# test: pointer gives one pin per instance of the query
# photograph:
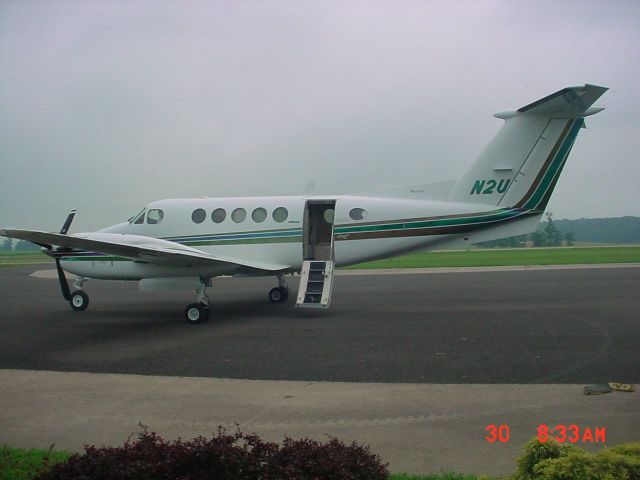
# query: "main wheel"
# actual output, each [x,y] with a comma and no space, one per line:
[196,313]
[79,300]
[278,295]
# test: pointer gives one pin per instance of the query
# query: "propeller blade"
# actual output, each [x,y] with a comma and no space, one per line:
[67,222]
[64,286]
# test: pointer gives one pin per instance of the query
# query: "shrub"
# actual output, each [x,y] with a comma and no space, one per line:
[224,456]
[535,452]
[552,461]
[307,459]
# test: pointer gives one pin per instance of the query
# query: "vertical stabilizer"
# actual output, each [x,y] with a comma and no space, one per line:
[521,165]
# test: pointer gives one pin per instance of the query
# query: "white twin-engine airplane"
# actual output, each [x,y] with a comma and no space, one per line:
[184,243]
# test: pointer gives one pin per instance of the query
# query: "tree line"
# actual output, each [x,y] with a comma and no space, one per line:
[7,245]
[556,233]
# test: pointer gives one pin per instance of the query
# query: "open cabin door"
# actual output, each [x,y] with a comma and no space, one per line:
[316,276]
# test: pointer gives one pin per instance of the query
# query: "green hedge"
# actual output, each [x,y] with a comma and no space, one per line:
[553,461]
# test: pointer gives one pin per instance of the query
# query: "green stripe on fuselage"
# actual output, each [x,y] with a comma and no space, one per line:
[244,241]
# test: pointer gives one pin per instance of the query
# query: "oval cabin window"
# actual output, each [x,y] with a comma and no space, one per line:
[358,213]
[280,214]
[218,215]
[259,215]
[198,215]
[238,215]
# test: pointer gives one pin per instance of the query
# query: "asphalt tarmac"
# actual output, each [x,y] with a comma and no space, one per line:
[572,326]
[417,366]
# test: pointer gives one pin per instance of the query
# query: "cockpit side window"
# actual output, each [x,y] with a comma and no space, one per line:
[154,216]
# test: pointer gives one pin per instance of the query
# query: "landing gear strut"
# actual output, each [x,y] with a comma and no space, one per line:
[199,312]
[279,294]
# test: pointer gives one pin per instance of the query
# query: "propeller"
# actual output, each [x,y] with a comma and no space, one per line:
[64,285]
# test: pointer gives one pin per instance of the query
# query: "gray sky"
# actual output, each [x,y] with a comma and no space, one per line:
[105,106]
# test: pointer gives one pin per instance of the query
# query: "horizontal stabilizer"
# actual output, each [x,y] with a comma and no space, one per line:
[571,101]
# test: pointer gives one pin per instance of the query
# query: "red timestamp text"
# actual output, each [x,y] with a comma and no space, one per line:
[571,434]
[560,433]
[498,433]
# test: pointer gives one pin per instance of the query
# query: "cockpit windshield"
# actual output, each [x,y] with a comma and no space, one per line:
[153,216]
[137,218]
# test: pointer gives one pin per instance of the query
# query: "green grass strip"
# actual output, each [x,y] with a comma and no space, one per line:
[471,258]
[439,476]
[14,259]
[514,257]
[22,464]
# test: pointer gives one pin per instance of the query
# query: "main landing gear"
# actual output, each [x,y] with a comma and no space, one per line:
[199,312]
[78,299]
[279,294]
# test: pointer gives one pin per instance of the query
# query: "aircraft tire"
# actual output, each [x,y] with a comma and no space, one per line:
[278,295]
[196,313]
[79,300]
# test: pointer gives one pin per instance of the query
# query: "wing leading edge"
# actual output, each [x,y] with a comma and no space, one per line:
[139,248]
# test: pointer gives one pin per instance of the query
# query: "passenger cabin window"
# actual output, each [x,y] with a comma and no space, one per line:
[155,216]
[358,213]
[198,215]
[280,214]
[238,215]
[218,215]
[259,215]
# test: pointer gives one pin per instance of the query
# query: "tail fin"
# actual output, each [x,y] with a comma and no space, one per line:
[521,165]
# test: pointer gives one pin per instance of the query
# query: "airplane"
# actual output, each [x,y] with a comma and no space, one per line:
[185,243]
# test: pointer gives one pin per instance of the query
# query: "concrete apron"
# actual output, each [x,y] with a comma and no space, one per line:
[417,428]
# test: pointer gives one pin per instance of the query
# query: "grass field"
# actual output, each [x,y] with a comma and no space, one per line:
[471,258]
[23,464]
[14,259]
[516,256]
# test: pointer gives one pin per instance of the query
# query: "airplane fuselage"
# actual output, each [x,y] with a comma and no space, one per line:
[271,229]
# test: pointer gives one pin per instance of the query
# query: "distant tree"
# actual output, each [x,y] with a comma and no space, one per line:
[539,238]
[509,242]
[24,246]
[554,238]
[569,238]
[6,245]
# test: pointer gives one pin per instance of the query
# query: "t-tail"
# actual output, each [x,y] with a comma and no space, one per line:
[521,165]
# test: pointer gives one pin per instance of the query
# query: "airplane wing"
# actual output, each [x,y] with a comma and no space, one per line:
[137,247]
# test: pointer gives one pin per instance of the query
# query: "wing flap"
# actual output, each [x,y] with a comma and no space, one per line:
[137,247]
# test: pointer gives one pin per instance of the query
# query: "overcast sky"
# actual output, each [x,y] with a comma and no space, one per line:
[105,106]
